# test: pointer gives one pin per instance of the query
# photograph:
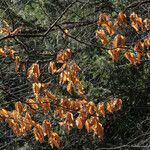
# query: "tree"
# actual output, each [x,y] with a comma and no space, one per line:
[32,57]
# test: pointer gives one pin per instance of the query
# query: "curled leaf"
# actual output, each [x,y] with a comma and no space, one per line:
[18,62]
[16,31]
[101,109]
[101,34]
[130,56]
[136,21]
[36,88]
[119,42]
[147,24]
[19,107]
[122,18]
[79,123]
[114,54]
[2,52]
[52,67]
[38,133]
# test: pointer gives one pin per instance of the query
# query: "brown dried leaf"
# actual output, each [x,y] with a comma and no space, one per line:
[101,109]
[121,18]
[38,133]
[52,67]
[18,62]
[114,54]
[51,95]
[79,123]
[119,42]
[101,34]
[69,87]
[19,107]
[147,23]
[54,140]
[130,57]
[47,128]
[36,70]
[36,88]
[16,31]
[2,52]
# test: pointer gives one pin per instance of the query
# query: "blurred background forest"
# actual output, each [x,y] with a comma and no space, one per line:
[101,77]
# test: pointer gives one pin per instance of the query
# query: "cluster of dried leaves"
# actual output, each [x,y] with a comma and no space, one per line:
[72,113]
[6,29]
[118,45]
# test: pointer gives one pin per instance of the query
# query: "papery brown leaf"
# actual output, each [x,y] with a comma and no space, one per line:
[52,67]
[136,21]
[45,85]
[79,123]
[148,54]
[18,62]
[68,53]
[118,104]
[80,89]
[101,34]
[59,111]
[110,28]
[64,56]
[114,54]
[23,128]
[38,133]
[147,24]
[36,88]
[4,113]
[88,125]
[98,130]
[60,58]
[91,107]
[69,121]
[110,107]
[101,109]
[28,121]
[11,54]
[15,115]
[2,52]
[36,70]
[69,117]
[46,105]
[76,68]
[16,129]
[64,76]
[69,87]
[147,40]
[103,19]
[11,123]
[4,31]
[54,140]
[130,57]
[33,105]
[51,95]
[16,31]
[77,105]
[122,18]
[19,107]
[139,46]
[47,128]
[30,71]
[119,42]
